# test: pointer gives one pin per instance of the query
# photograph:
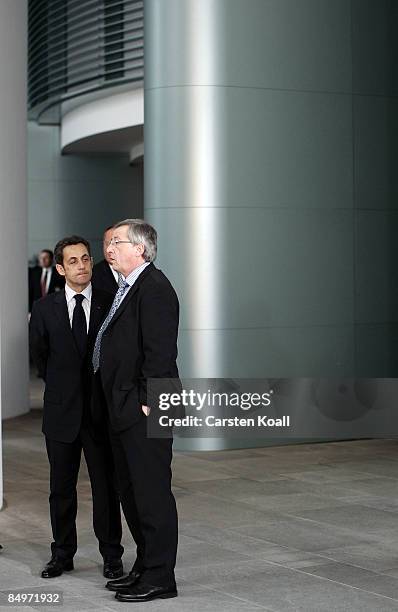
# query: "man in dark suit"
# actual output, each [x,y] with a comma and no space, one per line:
[138,341]
[44,278]
[63,328]
[104,276]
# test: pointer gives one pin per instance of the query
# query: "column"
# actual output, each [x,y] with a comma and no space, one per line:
[13,211]
[262,168]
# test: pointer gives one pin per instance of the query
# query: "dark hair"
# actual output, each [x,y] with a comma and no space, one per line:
[48,251]
[68,241]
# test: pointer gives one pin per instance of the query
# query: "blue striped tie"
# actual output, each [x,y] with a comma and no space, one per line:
[115,305]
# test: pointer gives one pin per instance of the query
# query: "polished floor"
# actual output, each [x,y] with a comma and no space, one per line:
[311,527]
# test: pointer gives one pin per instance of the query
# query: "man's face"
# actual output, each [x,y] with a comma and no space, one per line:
[45,260]
[77,266]
[125,256]
[105,244]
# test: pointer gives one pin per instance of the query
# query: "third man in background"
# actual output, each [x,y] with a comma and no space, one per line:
[105,277]
[44,278]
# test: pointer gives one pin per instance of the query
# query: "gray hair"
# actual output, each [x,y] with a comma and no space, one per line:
[140,232]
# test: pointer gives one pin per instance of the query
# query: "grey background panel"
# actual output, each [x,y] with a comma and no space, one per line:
[375,266]
[41,210]
[76,194]
[376,350]
[274,266]
[74,212]
[282,44]
[376,152]
[375,46]
[269,352]
[262,148]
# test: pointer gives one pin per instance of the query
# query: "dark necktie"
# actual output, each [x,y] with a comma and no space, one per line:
[79,325]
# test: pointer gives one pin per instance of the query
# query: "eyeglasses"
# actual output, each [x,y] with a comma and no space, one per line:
[116,242]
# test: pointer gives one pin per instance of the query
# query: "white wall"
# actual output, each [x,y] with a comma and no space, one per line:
[13,214]
[70,194]
[116,111]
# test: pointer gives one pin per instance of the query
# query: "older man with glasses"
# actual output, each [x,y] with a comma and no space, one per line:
[136,342]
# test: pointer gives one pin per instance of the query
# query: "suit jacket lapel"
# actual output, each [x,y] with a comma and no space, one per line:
[108,273]
[131,292]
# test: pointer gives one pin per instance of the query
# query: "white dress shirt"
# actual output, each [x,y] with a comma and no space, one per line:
[71,302]
[132,277]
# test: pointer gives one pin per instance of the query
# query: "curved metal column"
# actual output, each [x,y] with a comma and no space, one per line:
[249,178]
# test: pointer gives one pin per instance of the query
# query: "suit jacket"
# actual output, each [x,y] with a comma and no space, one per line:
[139,343]
[103,278]
[66,373]
[57,283]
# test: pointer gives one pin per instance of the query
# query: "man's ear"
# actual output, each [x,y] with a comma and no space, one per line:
[139,249]
[60,269]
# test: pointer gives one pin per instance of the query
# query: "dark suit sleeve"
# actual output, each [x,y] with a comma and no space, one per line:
[38,340]
[159,327]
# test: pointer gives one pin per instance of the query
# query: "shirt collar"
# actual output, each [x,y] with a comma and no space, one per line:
[70,293]
[132,277]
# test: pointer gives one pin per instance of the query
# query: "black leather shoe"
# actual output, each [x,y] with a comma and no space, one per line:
[113,568]
[56,566]
[142,591]
[124,583]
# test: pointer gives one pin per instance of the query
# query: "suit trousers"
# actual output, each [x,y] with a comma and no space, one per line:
[64,458]
[143,475]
